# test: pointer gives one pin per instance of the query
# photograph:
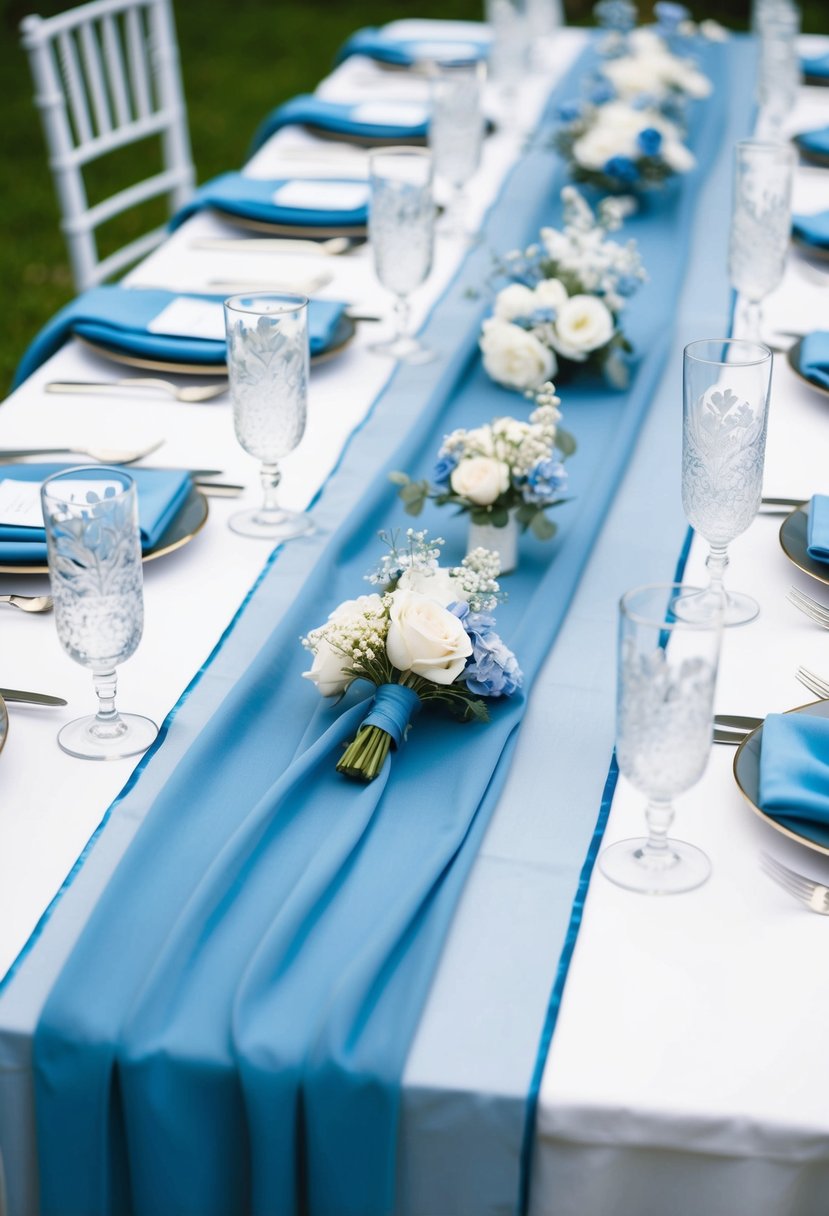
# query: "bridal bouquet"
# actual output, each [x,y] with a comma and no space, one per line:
[621,147]
[563,306]
[506,466]
[427,636]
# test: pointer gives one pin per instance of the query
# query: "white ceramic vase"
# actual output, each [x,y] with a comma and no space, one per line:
[503,541]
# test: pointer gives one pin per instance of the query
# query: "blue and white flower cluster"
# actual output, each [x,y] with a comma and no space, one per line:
[506,466]
[564,303]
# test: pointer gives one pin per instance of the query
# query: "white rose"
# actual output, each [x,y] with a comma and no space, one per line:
[327,669]
[514,357]
[584,324]
[425,638]
[480,479]
[677,156]
[713,31]
[437,583]
[630,75]
[514,301]
[595,149]
[689,80]
[645,41]
[550,293]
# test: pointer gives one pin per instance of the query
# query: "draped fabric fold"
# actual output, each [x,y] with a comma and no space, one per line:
[229,1033]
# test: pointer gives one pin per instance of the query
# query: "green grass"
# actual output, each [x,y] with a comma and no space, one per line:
[239,58]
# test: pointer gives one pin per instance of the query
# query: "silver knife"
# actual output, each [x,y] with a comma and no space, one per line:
[738,721]
[30,698]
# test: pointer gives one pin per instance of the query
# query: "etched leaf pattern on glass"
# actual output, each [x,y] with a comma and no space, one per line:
[268,366]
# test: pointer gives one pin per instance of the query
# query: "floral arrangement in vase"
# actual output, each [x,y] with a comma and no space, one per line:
[425,638]
[505,475]
[562,309]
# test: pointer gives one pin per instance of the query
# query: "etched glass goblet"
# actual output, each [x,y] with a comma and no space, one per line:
[761,218]
[267,364]
[667,671]
[94,548]
[725,395]
[456,132]
[778,75]
[401,230]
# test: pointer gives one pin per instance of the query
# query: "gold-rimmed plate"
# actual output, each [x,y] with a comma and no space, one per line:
[343,334]
[188,522]
[292,230]
[794,543]
[793,360]
[4,724]
[365,141]
[747,775]
[818,252]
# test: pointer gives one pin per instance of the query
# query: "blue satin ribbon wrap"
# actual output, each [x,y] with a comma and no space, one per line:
[394,707]
[341,118]
[229,1033]
[118,318]
[794,773]
[252,198]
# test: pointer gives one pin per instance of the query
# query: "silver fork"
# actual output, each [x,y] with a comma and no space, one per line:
[815,895]
[814,683]
[813,608]
[189,392]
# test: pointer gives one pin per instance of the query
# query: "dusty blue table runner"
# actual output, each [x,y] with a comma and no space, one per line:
[606,425]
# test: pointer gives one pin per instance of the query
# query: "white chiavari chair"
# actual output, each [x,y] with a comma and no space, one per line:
[107,76]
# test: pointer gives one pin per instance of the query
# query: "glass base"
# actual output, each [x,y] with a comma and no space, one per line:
[271,525]
[404,349]
[79,739]
[681,868]
[703,605]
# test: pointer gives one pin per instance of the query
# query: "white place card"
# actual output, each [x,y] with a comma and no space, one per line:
[322,196]
[20,500]
[390,113]
[185,317]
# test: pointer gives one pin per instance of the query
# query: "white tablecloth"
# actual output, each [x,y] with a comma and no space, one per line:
[685,1069]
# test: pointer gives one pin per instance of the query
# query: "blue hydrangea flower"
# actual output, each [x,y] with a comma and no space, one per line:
[670,15]
[444,467]
[545,482]
[627,285]
[602,92]
[622,168]
[492,670]
[650,141]
[570,111]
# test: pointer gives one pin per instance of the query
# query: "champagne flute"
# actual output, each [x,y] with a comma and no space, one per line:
[456,132]
[267,365]
[667,670]
[94,550]
[725,393]
[401,231]
[761,217]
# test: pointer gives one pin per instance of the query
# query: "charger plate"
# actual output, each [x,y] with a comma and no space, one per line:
[343,334]
[365,141]
[794,542]
[793,359]
[818,252]
[189,521]
[747,775]
[4,724]
[293,230]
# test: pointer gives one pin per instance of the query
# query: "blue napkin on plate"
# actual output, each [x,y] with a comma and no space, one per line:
[161,495]
[813,357]
[816,67]
[817,528]
[794,773]
[117,317]
[812,229]
[343,118]
[816,141]
[252,199]
[387,47]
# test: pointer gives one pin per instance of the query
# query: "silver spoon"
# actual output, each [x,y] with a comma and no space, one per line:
[187,392]
[104,455]
[29,603]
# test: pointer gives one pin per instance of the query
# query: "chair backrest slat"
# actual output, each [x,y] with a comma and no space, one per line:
[91,53]
[116,75]
[107,75]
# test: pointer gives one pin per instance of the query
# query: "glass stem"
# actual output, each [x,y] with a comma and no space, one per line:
[754,318]
[402,313]
[659,816]
[716,562]
[108,723]
[271,478]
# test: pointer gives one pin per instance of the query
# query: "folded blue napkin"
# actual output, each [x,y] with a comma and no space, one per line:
[387,47]
[161,495]
[252,199]
[813,357]
[344,118]
[817,529]
[817,68]
[118,317]
[794,773]
[813,229]
[816,142]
